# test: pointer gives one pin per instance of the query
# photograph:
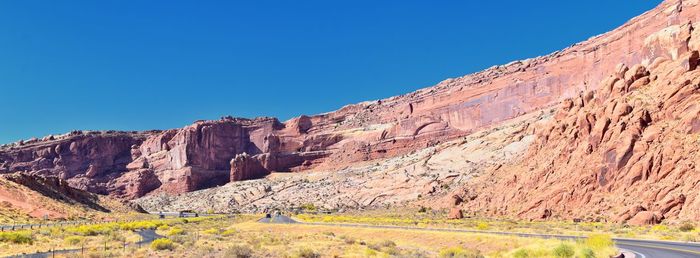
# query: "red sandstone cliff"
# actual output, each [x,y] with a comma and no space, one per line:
[210,153]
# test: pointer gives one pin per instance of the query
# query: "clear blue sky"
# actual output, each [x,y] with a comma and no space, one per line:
[137,65]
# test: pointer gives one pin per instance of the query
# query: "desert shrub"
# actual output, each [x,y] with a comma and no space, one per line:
[175,232]
[387,243]
[348,240]
[307,253]
[521,253]
[73,240]
[228,232]
[181,239]
[239,251]
[211,231]
[599,241]
[374,246]
[458,252]
[163,227]
[659,228]
[686,226]
[162,244]
[422,209]
[18,237]
[308,207]
[563,251]
[93,230]
[482,226]
[370,252]
[587,253]
[391,250]
[145,224]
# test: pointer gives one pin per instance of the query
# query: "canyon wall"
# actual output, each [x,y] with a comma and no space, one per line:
[209,153]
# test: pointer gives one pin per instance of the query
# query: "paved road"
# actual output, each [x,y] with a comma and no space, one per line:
[278,218]
[640,248]
[147,236]
[653,249]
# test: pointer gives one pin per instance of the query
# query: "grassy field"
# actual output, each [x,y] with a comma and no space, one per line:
[684,231]
[243,237]
[103,239]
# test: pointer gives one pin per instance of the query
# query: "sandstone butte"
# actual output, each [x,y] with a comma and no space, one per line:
[623,145]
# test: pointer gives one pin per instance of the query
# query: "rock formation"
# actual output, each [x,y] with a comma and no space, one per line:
[626,152]
[627,124]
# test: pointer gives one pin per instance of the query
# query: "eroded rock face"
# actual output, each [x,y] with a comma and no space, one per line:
[416,178]
[245,167]
[86,160]
[626,154]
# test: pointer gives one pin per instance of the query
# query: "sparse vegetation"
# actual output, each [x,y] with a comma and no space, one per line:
[437,218]
[307,253]
[239,251]
[242,237]
[162,244]
[459,252]
[19,237]
[686,226]
[599,241]
[563,250]
[308,207]
[73,240]
[175,232]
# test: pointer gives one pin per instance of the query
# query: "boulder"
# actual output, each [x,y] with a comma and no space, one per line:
[455,213]
[646,218]
[245,167]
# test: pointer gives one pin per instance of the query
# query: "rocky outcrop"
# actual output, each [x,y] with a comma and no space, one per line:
[86,160]
[417,178]
[626,152]
[56,189]
[245,167]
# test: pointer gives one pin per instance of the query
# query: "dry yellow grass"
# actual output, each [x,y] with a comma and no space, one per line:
[245,236]
[437,219]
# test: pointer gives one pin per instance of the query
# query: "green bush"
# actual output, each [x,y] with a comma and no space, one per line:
[458,252]
[239,251]
[563,251]
[18,237]
[162,244]
[587,253]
